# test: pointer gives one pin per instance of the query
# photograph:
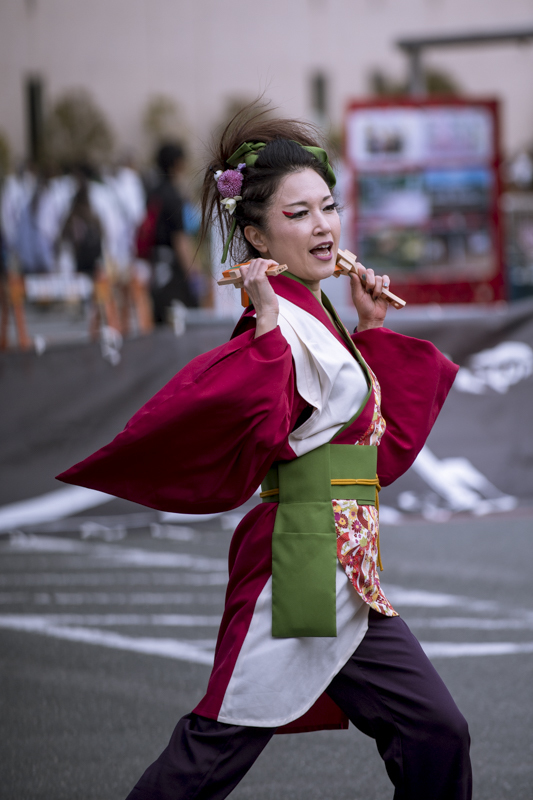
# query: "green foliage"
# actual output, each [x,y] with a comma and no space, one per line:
[160,118]
[76,130]
[5,154]
[437,82]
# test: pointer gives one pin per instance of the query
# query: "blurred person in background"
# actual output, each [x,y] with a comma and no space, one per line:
[171,251]
[32,245]
[82,230]
[4,303]
[34,204]
[82,233]
[17,192]
[127,190]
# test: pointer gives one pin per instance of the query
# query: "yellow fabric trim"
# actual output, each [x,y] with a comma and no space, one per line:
[269,493]
[348,482]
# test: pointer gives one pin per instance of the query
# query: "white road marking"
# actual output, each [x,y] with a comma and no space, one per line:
[79,579]
[169,648]
[114,555]
[197,571]
[462,649]
[179,533]
[388,515]
[171,516]
[109,598]
[195,652]
[473,623]
[419,598]
[137,519]
[460,485]
[33,622]
[50,506]
[69,500]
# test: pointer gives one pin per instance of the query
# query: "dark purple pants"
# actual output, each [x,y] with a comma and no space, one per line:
[389,690]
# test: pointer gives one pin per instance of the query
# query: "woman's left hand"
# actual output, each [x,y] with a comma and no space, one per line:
[366,289]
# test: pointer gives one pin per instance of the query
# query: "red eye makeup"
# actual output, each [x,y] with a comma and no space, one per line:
[287,214]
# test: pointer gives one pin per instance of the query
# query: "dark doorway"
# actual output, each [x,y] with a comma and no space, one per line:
[319,90]
[34,118]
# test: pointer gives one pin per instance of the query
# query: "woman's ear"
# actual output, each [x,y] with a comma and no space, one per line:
[257,239]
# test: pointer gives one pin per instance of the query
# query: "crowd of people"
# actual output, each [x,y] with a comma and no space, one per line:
[112,224]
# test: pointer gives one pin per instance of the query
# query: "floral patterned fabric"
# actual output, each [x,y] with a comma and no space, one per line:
[357,528]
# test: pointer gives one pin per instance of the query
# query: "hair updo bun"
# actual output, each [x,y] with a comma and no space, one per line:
[284,153]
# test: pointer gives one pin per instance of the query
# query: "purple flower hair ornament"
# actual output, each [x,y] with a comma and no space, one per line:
[229,184]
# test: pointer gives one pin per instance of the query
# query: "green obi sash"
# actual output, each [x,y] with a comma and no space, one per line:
[304,544]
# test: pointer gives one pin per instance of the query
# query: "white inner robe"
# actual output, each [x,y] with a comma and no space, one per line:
[275,681]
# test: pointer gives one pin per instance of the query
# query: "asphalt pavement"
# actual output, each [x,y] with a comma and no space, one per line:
[108,622]
[109,611]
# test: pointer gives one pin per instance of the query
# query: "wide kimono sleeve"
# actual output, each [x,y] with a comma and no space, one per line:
[415,378]
[206,440]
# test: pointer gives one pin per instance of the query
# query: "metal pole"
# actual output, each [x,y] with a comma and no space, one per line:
[417,83]
[412,47]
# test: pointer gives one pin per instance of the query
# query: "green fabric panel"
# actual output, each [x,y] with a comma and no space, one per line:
[305,605]
[304,544]
[306,478]
[304,550]
[363,495]
[305,518]
[353,461]
[271,481]
[346,459]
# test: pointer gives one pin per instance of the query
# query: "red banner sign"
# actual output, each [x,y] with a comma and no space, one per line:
[424,193]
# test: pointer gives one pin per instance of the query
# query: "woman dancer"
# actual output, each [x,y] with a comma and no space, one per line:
[308,639]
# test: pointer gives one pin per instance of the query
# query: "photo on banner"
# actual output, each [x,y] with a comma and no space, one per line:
[424,196]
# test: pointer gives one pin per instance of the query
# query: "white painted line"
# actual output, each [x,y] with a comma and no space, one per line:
[35,622]
[169,648]
[114,555]
[171,516]
[70,500]
[472,623]
[178,533]
[389,515]
[462,649]
[51,506]
[419,598]
[138,519]
[192,651]
[110,598]
[115,579]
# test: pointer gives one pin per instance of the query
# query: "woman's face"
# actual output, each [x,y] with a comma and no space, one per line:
[303,227]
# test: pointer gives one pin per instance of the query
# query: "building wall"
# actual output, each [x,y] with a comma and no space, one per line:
[203,53]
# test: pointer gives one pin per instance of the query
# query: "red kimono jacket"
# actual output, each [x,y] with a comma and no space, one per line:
[205,442]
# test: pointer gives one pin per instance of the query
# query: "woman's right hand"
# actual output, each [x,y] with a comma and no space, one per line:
[258,288]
